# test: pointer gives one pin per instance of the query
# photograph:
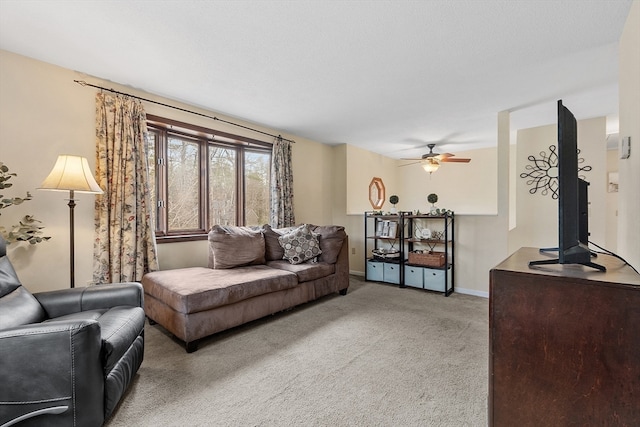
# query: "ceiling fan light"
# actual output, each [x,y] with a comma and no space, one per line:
[430,166]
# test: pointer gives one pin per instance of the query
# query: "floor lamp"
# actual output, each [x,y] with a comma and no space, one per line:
[72,174]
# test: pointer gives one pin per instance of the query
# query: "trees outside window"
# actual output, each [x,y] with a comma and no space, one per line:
[223,185]
[202,177]
[183,184]
[257,171]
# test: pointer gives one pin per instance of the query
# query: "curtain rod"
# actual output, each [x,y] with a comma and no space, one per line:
[83,83]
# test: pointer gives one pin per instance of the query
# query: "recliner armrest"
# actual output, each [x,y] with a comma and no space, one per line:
[67,301]
[44,366]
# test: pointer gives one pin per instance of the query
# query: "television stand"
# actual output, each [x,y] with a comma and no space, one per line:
[563,344]
[557,260]
[545,250]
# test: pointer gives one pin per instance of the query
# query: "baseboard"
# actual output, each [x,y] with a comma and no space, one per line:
[473,292]
[465,291]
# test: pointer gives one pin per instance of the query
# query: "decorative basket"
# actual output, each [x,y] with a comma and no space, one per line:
[428,259]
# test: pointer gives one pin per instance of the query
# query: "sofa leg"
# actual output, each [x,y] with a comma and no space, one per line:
[343,291]
[191,346]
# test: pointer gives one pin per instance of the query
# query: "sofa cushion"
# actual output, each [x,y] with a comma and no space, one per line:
[273,248]
[17,305]
[331,240]
[190,290]
[80,315]
[306,272]
[300,245]
[232,246]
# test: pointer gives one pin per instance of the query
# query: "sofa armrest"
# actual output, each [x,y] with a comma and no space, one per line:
[342,264]
[45,367]
[67,301]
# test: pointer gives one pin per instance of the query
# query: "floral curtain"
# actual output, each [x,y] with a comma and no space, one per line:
[124,247]
[281,185]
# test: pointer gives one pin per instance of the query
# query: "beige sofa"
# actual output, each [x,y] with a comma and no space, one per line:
[248,278]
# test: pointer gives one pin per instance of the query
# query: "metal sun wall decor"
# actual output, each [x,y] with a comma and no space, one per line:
[543,174]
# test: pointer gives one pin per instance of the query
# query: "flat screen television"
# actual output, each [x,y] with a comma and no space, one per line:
[573,203]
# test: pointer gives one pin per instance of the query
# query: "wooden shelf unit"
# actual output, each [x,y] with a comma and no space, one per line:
[398,270]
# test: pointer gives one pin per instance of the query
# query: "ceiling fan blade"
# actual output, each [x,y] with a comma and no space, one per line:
[412,163]
[445,155]
[410,159]
[455,160]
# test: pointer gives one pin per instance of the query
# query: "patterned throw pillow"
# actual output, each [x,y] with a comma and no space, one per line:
[300,245]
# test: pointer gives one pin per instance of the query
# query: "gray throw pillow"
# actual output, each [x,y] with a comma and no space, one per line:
[331,238]
[232,246]
[273,249]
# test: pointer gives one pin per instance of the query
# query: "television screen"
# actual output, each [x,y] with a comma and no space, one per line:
[573,226]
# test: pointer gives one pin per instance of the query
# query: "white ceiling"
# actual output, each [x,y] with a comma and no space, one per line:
[387,76]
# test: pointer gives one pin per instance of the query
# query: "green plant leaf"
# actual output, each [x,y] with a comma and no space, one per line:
[28,229]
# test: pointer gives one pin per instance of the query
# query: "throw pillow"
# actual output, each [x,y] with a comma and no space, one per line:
[273,249]
[300,245]
[331,238]
[231,246]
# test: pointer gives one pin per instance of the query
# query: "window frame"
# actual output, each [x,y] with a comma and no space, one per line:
[206,137]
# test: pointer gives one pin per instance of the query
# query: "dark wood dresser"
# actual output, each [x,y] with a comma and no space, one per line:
[564,344]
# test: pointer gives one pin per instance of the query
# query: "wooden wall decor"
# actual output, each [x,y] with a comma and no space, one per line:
[376,193]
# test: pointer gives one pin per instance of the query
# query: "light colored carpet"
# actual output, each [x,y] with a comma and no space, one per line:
[379,356]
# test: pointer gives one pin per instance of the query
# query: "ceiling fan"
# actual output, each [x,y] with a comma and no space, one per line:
[431,161]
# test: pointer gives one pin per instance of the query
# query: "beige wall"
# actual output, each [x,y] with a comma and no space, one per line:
[482,240]
[611,238]
[536,214]
[362,166]
[465,188]
[43,113]
[629,169]
[471,191]
[359,167]
[468,189]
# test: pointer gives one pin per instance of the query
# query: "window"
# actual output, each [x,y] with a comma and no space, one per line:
[201,177]
[257,168]
[222,185]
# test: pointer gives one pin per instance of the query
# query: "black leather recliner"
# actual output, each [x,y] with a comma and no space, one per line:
[68,356]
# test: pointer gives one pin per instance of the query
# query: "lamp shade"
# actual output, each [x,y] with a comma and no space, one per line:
[71,173]
[430,165]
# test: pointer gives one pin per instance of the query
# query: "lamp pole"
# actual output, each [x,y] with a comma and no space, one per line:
[72,204]
[71,173]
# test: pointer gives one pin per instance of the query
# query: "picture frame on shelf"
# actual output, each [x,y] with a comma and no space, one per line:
[387,229]
[393,230]
[425,233]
